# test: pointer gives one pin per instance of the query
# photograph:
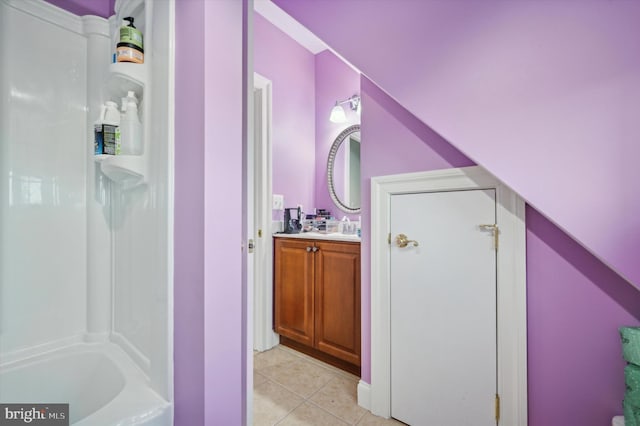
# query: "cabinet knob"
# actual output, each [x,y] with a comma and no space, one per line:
[315,249]
[308,249]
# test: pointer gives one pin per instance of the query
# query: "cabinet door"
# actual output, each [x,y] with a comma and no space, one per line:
[337,304]
[293,291]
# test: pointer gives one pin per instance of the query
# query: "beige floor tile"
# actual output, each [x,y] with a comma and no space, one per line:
[271,403]
[339,397]
[333,369]
[299,376]
[309,415]
[258,379]
[371,420]
[272,357]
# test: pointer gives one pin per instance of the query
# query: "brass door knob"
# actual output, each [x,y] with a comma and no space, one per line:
[402,241]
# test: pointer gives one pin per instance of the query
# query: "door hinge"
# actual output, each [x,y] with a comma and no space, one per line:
[389,238]
[251,245]
[497,408]
[259,233]
[496,233]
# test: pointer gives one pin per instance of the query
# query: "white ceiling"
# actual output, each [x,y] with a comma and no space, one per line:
[289,26]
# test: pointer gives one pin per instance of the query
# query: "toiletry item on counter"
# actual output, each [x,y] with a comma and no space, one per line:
[292,225]
[320,219]
[322,213]
[130,127]
[111,130]
[348,227]
[130,48]
[332,226]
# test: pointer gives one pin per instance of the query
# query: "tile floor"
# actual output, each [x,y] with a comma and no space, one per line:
[290,388]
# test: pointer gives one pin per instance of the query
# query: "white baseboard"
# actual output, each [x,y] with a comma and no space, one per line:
[364,395]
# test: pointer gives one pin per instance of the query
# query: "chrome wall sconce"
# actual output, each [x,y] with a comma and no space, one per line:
[337,112]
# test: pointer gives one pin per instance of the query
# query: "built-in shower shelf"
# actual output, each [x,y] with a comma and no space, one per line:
[128,170]
[125,76]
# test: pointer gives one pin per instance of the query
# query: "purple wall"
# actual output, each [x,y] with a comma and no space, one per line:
[210,333]
[224,330]
[335,81]
[102,8]
[393,141]
[575,303]
[526,89]
[290,67]
[189,255]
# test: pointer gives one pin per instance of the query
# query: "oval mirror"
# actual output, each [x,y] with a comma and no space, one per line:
[343,170]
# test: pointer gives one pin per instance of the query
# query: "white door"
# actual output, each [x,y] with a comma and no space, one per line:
[443,308]
[264,336]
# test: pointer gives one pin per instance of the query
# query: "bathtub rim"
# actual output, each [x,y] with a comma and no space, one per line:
[137,385]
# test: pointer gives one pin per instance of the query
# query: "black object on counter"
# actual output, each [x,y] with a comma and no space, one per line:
[292,225]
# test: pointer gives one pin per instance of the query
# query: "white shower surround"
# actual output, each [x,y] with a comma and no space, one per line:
[83,262]
[120,394]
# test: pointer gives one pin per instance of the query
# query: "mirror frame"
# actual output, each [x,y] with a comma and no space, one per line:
[330,164]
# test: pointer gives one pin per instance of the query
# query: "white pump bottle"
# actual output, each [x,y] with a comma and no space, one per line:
[131,128]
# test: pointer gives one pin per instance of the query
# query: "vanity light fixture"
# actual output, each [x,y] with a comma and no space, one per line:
[337,112]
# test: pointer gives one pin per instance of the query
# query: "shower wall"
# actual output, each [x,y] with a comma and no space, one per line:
[43,206]
[141,222]
[83,258]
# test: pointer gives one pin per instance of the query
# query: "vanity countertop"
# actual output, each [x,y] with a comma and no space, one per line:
[336,236]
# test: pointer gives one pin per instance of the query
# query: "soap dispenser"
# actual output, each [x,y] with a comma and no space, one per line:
[130,48]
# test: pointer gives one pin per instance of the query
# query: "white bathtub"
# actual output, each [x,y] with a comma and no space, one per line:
[99,381]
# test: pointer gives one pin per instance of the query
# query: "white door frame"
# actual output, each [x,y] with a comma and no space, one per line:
[264,337]
[511,286]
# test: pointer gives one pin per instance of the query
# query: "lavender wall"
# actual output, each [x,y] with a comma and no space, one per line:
[209,329]
[102,8]
[575,305]
[575,302]
[224,329]
[394,142]
[290,67]
[526,89]
[335,81]
[189,216]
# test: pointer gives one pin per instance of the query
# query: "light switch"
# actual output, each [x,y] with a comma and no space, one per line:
[278,202]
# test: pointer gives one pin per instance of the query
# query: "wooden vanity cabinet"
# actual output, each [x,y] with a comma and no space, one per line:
[293,293]
[317,299]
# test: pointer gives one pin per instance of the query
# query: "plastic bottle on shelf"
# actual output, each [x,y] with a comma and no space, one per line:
[131,128]
[131,96]
[111,129]
[98,134]
[130,48]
